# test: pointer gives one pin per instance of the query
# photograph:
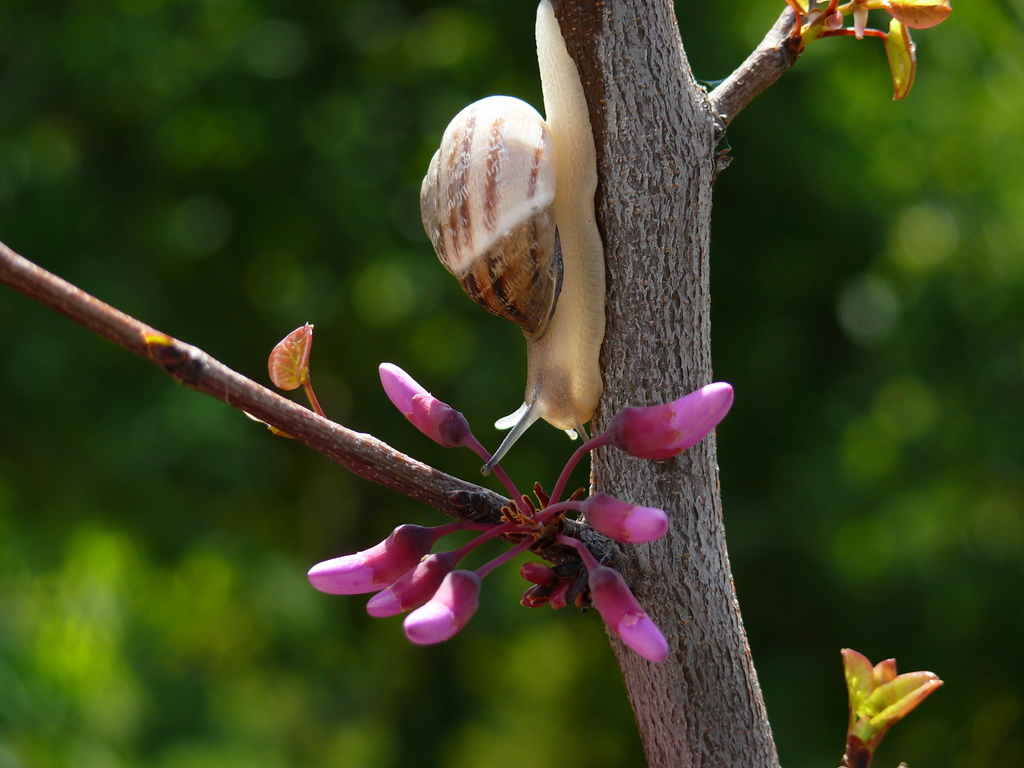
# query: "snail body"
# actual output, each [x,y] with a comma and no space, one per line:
[508,203]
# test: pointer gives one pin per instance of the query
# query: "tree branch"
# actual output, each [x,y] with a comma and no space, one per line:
[777,52]
[360,453]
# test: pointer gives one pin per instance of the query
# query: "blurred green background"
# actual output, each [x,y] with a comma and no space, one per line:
[226,170]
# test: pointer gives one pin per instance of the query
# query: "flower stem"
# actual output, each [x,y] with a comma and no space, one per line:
[483,538]
[588,559]
[517,498]
[570,465]
[504,557]
[551,510]
[440,531]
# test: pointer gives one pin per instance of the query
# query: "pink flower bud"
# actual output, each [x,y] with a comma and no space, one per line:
[662,431]
[624,615]
[447,611]
[624,522]
[559,595]
[535,596]
[538,573]
[374,568]
[414,588]
[860,20]
[438,421]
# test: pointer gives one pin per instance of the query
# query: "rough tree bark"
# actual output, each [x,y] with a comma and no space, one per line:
[656,133]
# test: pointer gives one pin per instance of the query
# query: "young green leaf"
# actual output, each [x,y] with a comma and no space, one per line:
[895,699]
[879,698]
[859,680]
[902,58]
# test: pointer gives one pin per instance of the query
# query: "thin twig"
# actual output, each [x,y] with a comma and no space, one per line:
[363,454]
[777,52]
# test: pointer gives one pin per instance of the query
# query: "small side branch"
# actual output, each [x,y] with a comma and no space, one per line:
[363,454]
[776,53]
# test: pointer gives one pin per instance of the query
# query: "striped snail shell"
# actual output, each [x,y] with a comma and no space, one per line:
[488,207]
[520,247]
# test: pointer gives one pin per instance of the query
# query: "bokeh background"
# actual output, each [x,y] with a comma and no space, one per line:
[227,170]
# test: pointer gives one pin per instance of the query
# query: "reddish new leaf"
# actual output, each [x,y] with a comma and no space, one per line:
[289,360]
[918,14]
[902,58]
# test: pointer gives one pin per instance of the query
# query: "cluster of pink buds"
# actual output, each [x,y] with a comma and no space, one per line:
[441,598]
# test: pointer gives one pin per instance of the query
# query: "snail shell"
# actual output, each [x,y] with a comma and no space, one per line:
[521,246]
[488,207]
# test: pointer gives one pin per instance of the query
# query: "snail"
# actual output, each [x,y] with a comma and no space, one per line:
[508,203]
